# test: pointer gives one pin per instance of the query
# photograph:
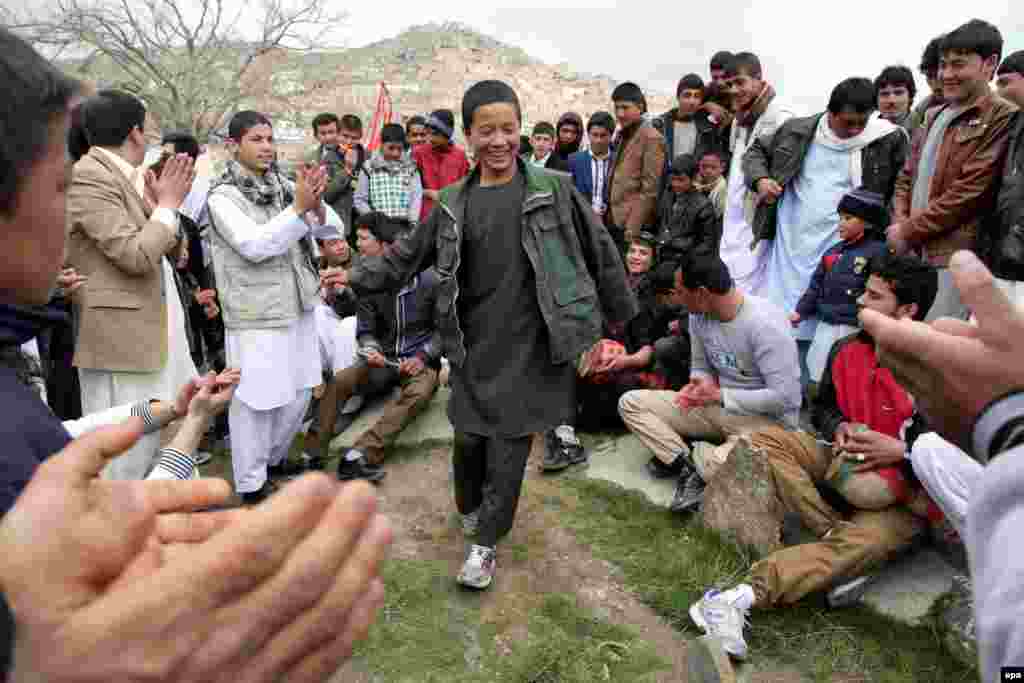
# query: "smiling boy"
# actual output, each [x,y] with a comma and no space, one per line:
[526,272]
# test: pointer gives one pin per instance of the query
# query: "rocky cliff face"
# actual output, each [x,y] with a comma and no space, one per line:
[425,68]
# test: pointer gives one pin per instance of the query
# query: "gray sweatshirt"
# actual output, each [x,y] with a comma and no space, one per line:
[995,518]
[754,358]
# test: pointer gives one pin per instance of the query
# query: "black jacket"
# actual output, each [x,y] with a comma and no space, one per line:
[687,224]
[781,157]
[1001,244]
[402,324]
[710,138]
[839,280]
[29,432]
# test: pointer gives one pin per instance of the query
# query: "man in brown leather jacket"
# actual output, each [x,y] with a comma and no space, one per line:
[637,167]
[949,183]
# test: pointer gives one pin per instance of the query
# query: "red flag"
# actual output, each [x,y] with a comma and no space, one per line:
[381,117]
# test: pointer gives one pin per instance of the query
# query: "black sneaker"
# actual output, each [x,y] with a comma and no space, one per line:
[680,468]
[350,470]
[689,493]
[313,463]
[286,468]
[258,496]
[559,454]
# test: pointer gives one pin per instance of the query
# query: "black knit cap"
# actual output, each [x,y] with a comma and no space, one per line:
[867,205]
[392,132]
[629,92]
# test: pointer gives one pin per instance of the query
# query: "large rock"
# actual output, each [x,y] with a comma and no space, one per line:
[741,502]
[956,622]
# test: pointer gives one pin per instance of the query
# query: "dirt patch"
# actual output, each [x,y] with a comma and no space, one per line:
[537,558]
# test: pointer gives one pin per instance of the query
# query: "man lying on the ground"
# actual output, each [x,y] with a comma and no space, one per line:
[860,413]
[398,340]
[743,376]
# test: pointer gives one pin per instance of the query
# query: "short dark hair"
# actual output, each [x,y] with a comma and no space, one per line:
[183,141]
[630,92]
[34,95]
[714,92]
[543,128]
[351,122]
[110,116]
[896,75]
[743,62]
[416,120]
[601,119]
[382,228]
[857,94]
[392,133]
[1013,64]
[929,65]
[325,119]
[913,281]
[683,165]
[689,82]
[245,120]
[77,140]
[709,272]
[975,37]
[720,59]
[486,93]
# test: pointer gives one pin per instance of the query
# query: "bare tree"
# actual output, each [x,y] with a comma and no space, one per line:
[192,61]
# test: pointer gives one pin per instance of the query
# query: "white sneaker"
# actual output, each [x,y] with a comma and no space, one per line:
[718,617]
[478,570]
[471,523]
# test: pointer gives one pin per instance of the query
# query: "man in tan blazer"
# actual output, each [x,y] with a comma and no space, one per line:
[131,343]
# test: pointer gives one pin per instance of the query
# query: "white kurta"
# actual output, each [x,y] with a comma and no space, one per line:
[280,366]
[338,346]
[105,389]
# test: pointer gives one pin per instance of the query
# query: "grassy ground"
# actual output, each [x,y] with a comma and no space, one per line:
[431,630]
[669,564]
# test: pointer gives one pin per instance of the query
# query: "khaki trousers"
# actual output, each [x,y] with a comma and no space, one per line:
[661,425]
[848,548]
[416,393]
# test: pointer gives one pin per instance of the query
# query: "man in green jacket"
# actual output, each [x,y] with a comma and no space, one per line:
[527,275]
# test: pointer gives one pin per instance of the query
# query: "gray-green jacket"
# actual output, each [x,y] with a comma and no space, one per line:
[580,277]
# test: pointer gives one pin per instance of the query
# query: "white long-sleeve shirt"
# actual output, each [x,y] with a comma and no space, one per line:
[276,363]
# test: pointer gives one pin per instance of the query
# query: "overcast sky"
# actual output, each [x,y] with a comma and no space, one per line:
[806,47]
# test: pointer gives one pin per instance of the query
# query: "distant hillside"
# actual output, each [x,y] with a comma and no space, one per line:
[428,67]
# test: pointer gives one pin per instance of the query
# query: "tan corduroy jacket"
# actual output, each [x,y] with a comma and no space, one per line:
[112,239]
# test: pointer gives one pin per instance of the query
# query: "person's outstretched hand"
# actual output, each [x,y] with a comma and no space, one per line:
[116,580]
[953,368]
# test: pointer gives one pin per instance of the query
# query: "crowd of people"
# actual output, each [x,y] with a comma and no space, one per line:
[837,294]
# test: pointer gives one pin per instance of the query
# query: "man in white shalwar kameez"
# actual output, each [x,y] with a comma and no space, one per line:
[758,115]
[815,161]
[261,235]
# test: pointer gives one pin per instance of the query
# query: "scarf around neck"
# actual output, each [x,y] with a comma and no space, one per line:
[875,129]
[748,117]
[268,189]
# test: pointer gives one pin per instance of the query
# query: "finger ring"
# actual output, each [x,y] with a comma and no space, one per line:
[860,457]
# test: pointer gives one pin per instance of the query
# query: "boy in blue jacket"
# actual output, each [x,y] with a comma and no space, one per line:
[841,276]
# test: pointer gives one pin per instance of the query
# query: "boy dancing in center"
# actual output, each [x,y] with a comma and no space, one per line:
[526,271]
